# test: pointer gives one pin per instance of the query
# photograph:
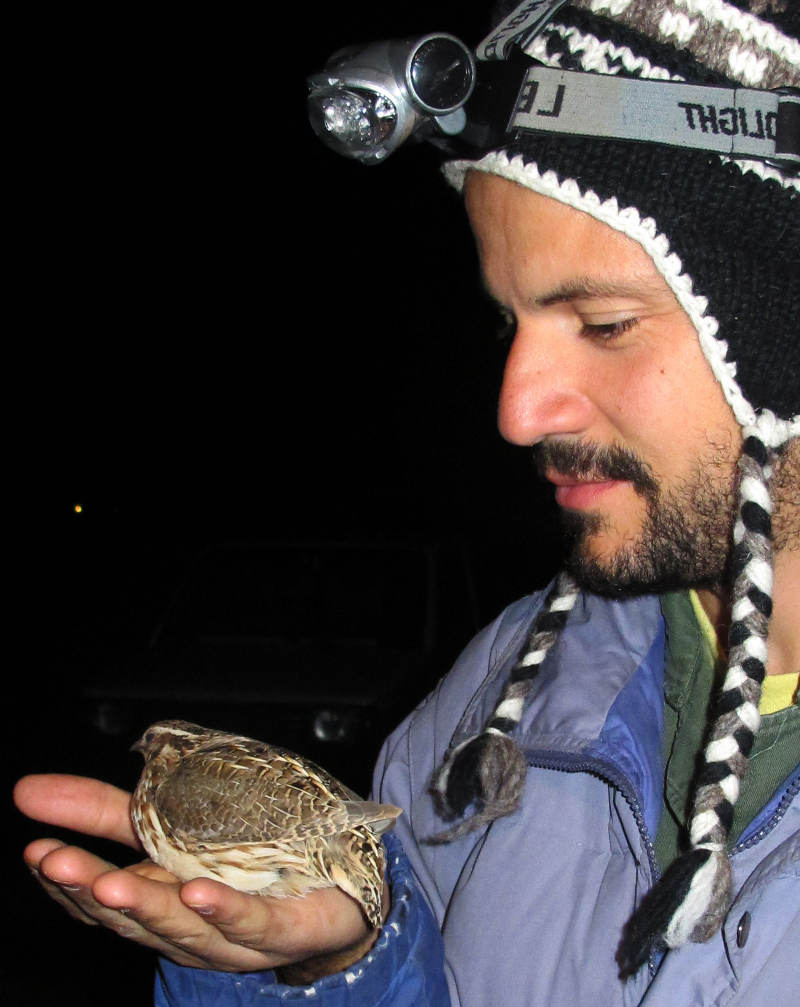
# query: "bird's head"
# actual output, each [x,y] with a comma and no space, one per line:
[169,739]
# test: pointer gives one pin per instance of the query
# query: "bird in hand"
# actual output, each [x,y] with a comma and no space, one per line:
[256,817]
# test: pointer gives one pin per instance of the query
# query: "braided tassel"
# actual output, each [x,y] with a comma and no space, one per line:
[488,771]
[690,901]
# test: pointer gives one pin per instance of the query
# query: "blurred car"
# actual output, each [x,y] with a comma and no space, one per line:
[320,647]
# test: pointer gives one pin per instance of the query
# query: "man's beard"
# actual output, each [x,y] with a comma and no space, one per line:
[686,536]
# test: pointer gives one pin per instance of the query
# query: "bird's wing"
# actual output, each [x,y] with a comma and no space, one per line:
[233,797]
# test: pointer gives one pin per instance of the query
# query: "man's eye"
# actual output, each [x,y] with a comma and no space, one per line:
[608,331]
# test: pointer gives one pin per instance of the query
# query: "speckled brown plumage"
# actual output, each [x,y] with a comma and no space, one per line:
[256,817]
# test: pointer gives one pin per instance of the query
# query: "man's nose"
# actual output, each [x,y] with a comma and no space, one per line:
[543,391]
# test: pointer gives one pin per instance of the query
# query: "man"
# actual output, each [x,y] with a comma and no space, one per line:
[653,294]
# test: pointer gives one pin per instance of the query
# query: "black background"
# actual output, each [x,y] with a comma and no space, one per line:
[224,332]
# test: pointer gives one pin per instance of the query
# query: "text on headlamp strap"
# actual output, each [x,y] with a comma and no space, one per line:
[518,28]
[740,122]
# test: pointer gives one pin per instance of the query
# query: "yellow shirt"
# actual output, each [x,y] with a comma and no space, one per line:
[693,667]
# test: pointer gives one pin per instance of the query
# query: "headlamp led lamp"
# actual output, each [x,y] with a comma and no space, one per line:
[369,101]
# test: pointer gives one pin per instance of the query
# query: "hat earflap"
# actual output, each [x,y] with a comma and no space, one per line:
[690,901]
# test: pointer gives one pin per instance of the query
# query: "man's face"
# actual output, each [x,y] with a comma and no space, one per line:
[606,377]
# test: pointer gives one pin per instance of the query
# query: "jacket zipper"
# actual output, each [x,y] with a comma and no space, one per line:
[623,786]
[621,783]
[617,780]
[792,790]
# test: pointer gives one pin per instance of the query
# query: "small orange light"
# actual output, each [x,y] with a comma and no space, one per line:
[78,508]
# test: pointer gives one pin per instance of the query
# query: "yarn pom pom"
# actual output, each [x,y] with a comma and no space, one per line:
[687,904]
[486,773]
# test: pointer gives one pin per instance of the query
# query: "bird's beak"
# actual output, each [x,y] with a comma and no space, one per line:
[137,746]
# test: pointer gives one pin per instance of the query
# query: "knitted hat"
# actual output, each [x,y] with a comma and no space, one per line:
[724,232]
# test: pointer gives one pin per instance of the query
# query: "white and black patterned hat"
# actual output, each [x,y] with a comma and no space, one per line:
[724,232]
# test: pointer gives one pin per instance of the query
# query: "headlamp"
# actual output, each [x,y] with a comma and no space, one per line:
[368,101]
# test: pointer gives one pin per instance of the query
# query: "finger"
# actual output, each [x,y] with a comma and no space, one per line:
[36,851]
[96,892]
[71,866]
[174,929]
[34,854]
[283,929]
[140,903]
[69,875]
[79,803]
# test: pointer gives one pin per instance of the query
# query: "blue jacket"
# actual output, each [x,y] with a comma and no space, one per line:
[532,908]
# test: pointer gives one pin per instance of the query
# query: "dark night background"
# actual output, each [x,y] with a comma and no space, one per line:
[236,344]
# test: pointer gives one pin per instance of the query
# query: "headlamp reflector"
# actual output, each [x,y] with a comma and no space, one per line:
[352,121]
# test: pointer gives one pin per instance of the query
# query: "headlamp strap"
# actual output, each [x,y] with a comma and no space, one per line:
[738,121]
[518,28]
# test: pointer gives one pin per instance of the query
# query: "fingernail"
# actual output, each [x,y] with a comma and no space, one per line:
[203,910]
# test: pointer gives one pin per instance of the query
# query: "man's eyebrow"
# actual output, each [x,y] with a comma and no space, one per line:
[589,287]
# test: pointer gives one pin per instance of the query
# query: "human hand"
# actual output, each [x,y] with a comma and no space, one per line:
[202,923]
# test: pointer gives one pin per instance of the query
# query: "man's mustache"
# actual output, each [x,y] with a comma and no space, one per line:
[591,461]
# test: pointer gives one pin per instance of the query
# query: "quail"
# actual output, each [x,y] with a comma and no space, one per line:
[257,817]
